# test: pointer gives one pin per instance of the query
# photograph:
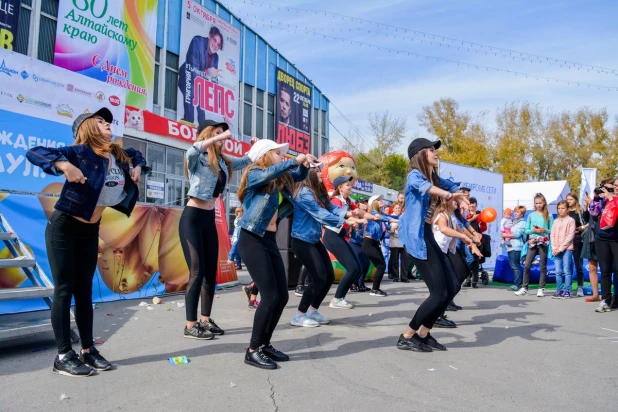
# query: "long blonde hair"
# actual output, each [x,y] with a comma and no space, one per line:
[283,181]
[375,206]
[214,153]
[90,135]
[442,207]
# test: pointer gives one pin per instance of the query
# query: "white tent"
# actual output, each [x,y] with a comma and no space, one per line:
[523,194]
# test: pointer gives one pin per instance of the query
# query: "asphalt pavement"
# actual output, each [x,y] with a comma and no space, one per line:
[508,353]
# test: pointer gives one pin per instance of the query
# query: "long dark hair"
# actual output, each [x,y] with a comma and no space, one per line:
[419,162]
[285,181]
[312,182]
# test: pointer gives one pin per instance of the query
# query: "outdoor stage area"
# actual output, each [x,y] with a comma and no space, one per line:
[508,353]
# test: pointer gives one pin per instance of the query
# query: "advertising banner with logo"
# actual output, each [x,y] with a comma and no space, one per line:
[208,78]
[9,19]
[139,257]
[112,41]
[293,112]
[363,186]
[38,104]
[487,188]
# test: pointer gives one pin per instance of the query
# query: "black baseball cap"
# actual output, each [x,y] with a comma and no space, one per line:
[208,123]
[104,112]
[341,180]
[421,143]
[363,200]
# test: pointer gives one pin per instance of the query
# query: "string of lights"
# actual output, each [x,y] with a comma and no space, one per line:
[439,59]
[435,38]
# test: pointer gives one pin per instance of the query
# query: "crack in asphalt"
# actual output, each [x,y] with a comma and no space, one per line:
[272,394]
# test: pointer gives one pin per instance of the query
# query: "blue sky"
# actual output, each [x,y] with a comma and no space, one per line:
[361,80]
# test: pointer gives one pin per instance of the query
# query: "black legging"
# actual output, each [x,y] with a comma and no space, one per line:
[578,245]
[200,245]
[316,260]
[364,261]
[394,267]
[72,251]
[305,277]
[439,276]
[374,253]
[607,254]
[532,252]
[265,265]
[338,246]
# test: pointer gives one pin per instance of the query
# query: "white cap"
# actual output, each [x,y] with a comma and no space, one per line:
[319,166]
[262,146]
[373,199]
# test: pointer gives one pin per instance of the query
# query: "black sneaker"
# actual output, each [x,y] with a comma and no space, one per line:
[378,293]
[259,359]
[247,291]
[456,306]
[395,279]
[451,307]
[70,365]
[212,327]
[443,322]
[275,354]
[404,279]
[196,332]
[614,302]
[474,285]
[363,288]
[354,288]
[414,344]
[299,290]
[467,284]
[253,305]
[94,359]
[433,343]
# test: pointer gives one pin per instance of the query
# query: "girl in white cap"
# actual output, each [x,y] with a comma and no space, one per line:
[265,191]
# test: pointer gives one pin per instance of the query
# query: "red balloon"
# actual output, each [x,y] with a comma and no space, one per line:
[489,214]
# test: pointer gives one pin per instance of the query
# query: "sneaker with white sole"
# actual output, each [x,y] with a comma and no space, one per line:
[603,307]
[580,292]
[340,304]
[540,293]
[522,292]
[317,316]
[377,292]
[303,320]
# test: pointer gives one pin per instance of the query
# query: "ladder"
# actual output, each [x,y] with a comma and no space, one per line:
[15,326]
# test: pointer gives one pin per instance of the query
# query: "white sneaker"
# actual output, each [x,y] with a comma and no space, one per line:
[580,292]
[522,292]
[540,293]
[317,317]
[304,321]
[603,307]
[340,304]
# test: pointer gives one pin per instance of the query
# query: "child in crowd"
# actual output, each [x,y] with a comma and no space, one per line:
[562,234]
[506,224]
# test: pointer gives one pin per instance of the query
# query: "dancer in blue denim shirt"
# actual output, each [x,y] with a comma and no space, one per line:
[423,189]
[208,170]
[97,176]
[313,211]
[266,192]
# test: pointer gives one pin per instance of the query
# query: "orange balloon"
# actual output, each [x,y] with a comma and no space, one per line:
[489,214]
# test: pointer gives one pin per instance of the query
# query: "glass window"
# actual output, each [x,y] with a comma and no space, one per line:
[27,2]
[175,162]
[50,7]
[270,126]
[325,148]
[315,120]
[155,98]
[259,123]
[271,103]
[156,157]
[247,119]
[23,31]
[171,89]
[248,93]
[259,100]
[172,60]
[175,192]
[323,113]
[47,39]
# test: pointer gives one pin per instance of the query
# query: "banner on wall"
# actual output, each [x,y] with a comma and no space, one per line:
[152,123]
[293,112]
[112,41]
[208,78]
[38,104]
[9,20]
[139,257]
[487,188]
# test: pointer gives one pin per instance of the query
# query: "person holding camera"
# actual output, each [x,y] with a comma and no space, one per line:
[606,243]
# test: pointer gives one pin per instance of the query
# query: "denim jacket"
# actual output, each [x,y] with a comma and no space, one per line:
[260,206]
[80,199]
[518,230]
[412,222]
[202,179]
[309,217]
[374,229]
[357,234]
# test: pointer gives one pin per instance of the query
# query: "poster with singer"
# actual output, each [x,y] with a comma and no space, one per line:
[293,113]
[208,78]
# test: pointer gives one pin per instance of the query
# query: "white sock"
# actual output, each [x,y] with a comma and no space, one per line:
[61,356]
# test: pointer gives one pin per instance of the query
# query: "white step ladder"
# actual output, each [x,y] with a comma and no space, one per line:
[14,326]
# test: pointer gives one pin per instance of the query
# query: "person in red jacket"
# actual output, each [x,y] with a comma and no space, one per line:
[474,217]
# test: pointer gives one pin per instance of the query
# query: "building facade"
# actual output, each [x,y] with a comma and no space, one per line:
[258,64]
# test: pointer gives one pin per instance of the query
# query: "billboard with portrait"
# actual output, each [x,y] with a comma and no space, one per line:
[293,113]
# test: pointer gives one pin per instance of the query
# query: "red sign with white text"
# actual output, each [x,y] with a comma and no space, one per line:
[162,126]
